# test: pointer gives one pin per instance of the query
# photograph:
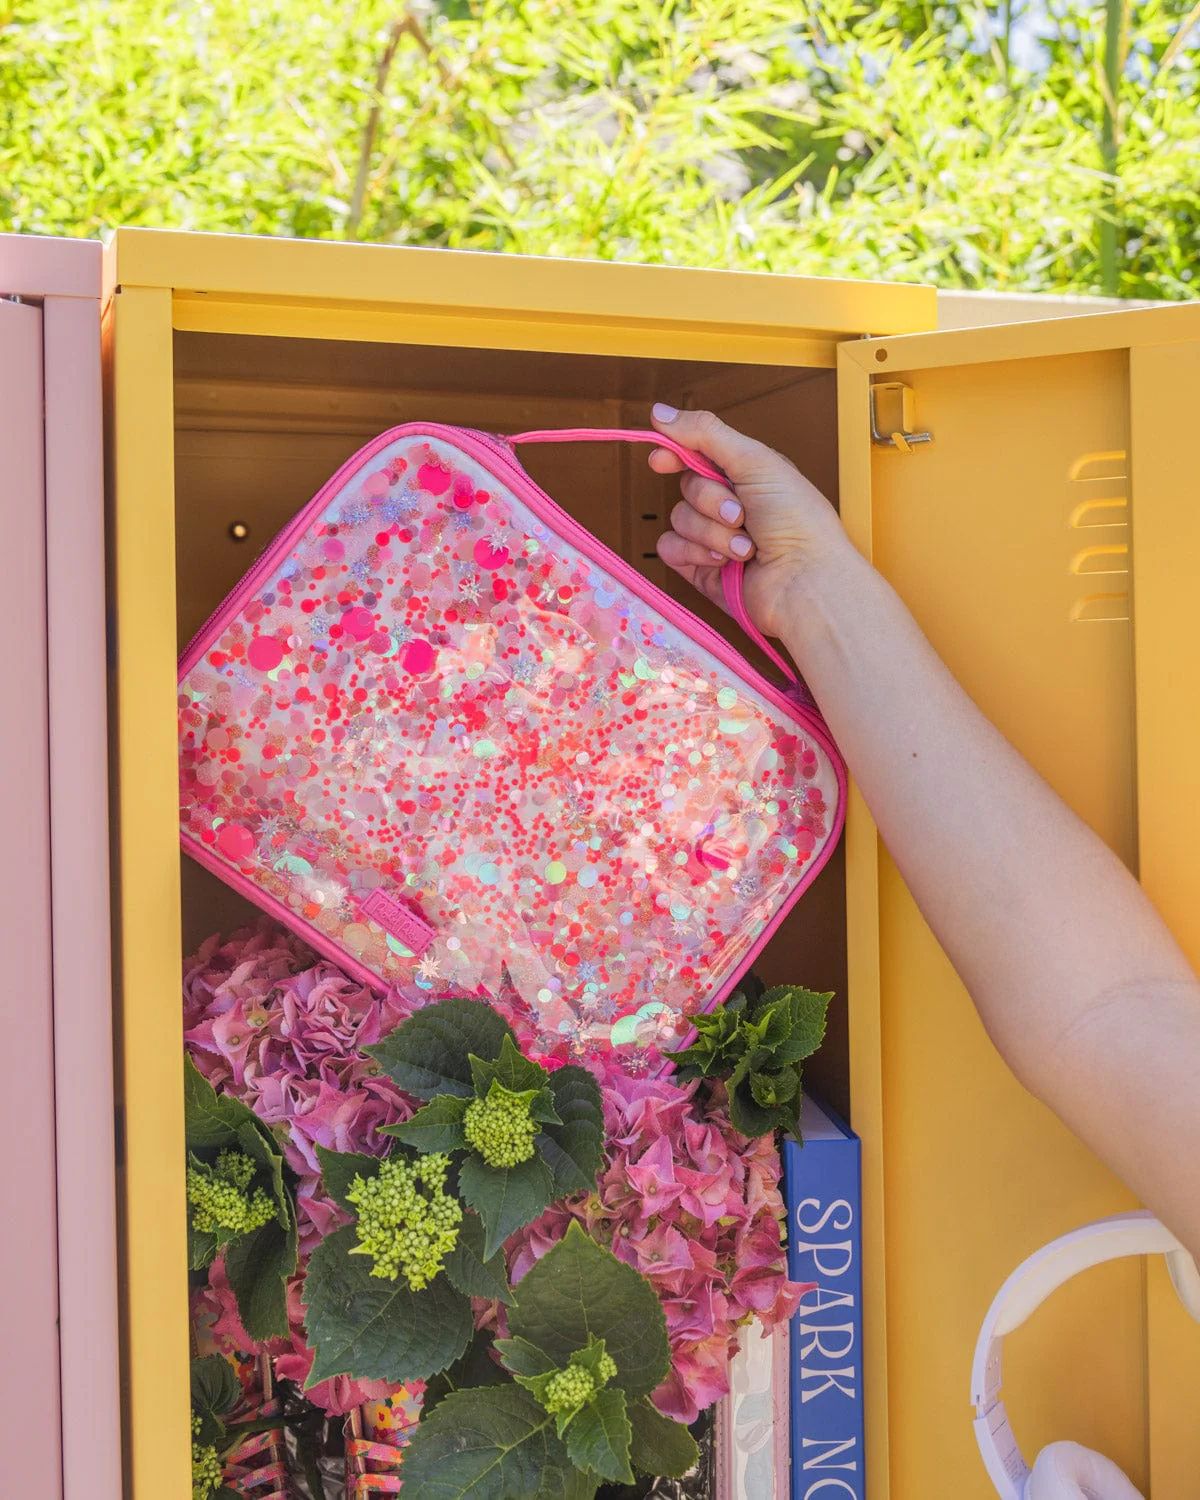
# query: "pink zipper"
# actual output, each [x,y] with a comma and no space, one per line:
[484,446]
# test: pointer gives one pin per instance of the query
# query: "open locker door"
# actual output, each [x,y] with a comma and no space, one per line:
[1021,487]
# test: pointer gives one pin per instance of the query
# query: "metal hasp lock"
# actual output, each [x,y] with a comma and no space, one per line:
[900,435]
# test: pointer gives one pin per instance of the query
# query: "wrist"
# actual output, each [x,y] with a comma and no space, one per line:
[817,598]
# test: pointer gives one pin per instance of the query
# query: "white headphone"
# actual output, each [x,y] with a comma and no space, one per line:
[1064,1471]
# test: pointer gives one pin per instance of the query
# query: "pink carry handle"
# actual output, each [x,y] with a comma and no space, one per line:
[731,571]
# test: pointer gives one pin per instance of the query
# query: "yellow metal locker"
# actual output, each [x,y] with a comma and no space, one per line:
[242,370]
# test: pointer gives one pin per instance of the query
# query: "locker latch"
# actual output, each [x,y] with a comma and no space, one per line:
[896,429]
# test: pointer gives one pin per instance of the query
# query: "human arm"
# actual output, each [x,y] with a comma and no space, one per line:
[1076,978]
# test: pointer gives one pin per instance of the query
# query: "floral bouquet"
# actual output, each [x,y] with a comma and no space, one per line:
[521,1275]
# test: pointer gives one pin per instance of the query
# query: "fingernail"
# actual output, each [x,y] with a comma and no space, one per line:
[730,510]
[740,546]
[716,556]
[664,413]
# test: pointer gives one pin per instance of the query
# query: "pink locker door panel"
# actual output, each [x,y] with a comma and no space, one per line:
[59,1376]
[29,1384]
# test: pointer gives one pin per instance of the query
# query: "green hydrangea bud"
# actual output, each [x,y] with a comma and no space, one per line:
[568,1390]
[235,1167]
[501,1127]
[407,1222]
[206,1466]
[607,1368]
[219,1199]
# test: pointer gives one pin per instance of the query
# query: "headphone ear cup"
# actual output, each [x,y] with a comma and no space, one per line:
[1067,1471]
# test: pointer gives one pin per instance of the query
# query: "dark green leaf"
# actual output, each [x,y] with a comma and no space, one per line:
[579,1290]
[376,1329]
[211,1120]
[258,1266]
[598,1437]
[508,1067]
[436,1126]
[748,1117]
[474,1368]
[567,1484]
[429,1053]
[490,1444]
[574,1150]
[524,1358]
[214,1385]
[769,1089]
[338,1171]
[660,1446]
[469,1270]
[505,1198]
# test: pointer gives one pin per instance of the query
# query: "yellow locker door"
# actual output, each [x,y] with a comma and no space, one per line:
[1010,536]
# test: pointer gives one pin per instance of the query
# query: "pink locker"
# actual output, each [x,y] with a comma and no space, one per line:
[59,1377]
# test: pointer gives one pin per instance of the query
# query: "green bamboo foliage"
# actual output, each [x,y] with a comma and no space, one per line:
[1048,146]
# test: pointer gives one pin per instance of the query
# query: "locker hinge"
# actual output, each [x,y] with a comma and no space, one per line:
[897,430]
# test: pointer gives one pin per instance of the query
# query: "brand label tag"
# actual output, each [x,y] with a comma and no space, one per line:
[396,917]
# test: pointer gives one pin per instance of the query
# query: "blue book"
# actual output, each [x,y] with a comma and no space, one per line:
[823,1191]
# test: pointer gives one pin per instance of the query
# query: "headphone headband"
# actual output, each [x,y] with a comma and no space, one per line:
[1024,1292]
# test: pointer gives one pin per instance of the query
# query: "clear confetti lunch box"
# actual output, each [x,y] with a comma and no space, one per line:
[461,747]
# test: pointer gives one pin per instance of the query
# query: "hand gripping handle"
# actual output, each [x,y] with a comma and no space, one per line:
[731,571]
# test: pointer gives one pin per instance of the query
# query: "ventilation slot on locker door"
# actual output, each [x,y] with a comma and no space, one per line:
[1100,508]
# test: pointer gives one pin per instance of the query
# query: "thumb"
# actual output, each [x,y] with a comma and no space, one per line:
[741,457]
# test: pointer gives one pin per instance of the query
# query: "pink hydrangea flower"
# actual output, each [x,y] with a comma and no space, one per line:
[696,1208]
[270,1023]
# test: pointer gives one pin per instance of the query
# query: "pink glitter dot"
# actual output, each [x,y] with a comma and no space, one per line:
[434,478]
[234,841]
[359,623]
[264,653]
[418,658]
[488,557]
[333,549]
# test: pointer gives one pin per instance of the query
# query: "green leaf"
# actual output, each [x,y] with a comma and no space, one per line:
[211,1120]
[770,1089]
[436,1126]
[376,1329]
[660,1446]
[338,1171]
[429,1054]
[258,1266]
[574,1150]
[505,1198]
[215,1391]
[202,1248]
[598,1437]
[524,1358]
[491,1444]
[263,1152]
[474,1368]
[470,1271]
[510,1068]
[807,1015]
[568,1484]
[579,1290]
[748,1117]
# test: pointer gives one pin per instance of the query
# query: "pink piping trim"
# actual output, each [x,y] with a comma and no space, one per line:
[488,450]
